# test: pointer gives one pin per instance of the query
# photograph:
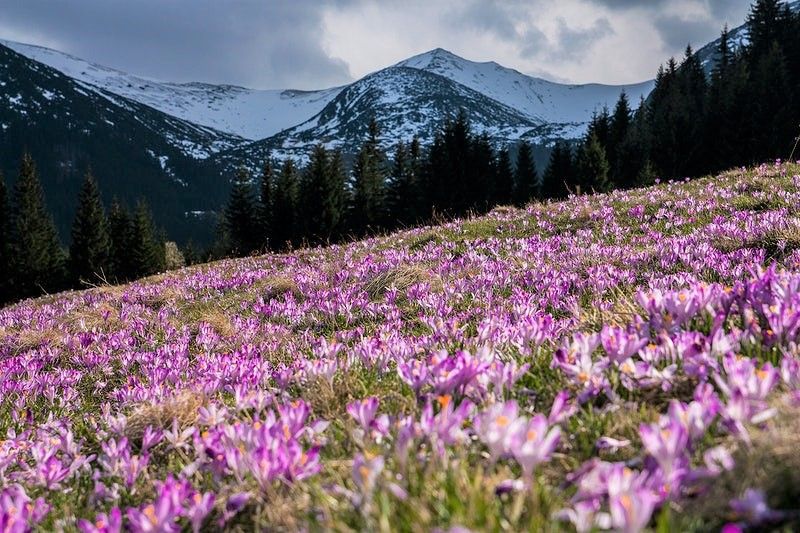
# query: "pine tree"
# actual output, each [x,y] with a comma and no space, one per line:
[241,218]
[559,175]
[693,88]
[336,197]
[417,200]
[38,260]
[6,281]
[633,154]
[600,127]
[727,140]
[402,188]
[620,124]
[768,24]
[481,173]
[323,196]
[771,105]
[504,179]
[526,181]
[592,166]
[89,251]
[368,186]
[284,207]
[146,248]
[120,228]
[265,205]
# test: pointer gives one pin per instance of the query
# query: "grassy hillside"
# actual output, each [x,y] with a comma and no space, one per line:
[617,361]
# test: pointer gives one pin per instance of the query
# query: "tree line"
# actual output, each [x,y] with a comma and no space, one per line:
[744,112]
[105,247]
[287,206]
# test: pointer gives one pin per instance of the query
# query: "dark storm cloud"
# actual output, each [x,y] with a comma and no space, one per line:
[506,21]
[262,43]
[493,17]
[678,32]
[574,41]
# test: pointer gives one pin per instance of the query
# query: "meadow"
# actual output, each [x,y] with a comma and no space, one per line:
[618,361]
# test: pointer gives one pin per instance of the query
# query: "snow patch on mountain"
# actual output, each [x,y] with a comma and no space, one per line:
[540,100]
[248,113]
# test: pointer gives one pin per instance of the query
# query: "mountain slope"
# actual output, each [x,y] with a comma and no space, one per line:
[405,102]
[542,101]
[577,365]
[251,114]
[134,150]
[262,114]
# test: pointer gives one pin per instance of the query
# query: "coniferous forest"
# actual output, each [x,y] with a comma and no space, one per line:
[694,122]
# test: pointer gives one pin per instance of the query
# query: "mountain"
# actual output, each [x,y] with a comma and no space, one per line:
[244,113]
[134,150]
[565,108]
[415,96]
[285,120]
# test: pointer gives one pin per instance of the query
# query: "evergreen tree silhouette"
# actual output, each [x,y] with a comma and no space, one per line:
[90,249]
[38,260]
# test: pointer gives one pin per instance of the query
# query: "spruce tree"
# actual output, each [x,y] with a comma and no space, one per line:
[38,260]
[559,175]
[266,199]
[6,281]
[620,124]
[312,191]
[526,181]
[284,207]
[89,251]
[323,196]
[504,179]
[368,186]
[336,198]
[146,248]
[120,229]
[481,173]
[592,166]
[417,200]
[633,154]
[401,190]
[241,218]
[771,105]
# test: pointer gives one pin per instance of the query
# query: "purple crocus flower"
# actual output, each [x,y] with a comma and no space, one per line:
[534,442]
[104,523]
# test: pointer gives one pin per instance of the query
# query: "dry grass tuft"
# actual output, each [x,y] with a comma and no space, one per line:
[277,286]
[622,312]
[217,319]
[29,339]
[182,407]
[400,278]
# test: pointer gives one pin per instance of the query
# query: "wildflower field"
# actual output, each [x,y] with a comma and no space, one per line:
[624,361]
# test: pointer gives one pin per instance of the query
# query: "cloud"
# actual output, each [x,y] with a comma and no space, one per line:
[575,41]
[309,44]
[678,32]
[264,43]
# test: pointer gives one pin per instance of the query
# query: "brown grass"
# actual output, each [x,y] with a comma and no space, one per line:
[400,278]
[181,407]
[28,339]
[277,286]
[218,320]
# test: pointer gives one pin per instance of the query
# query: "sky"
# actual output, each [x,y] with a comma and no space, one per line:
[312,44]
